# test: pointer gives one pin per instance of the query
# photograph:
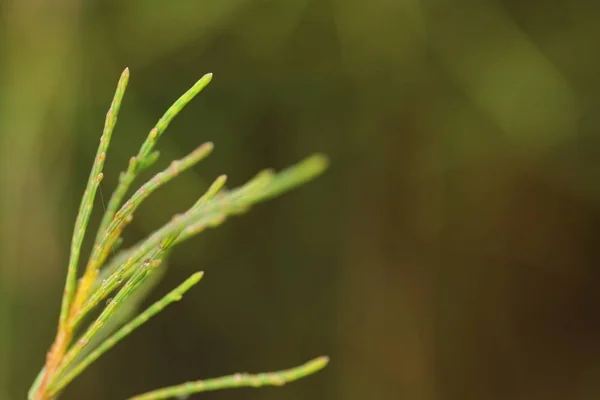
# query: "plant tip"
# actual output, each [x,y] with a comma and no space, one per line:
[197,276]
[124,76]
[206,78]
[320,160]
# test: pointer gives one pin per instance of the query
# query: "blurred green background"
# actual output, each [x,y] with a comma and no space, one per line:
[450,251]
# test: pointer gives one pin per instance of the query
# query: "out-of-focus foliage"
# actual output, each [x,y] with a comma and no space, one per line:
[449,253]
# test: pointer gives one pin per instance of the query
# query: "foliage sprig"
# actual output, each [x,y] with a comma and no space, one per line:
[132,272]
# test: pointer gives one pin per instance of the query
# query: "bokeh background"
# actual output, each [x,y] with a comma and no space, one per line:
[450,252]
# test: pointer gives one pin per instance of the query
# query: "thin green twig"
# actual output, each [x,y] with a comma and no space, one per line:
[136,279]
[122,256]
[212,191]
[277,378]
[171,297]
[211,212]
[133,284]
[126,263]
[122,217]
[146,155]
[87,201]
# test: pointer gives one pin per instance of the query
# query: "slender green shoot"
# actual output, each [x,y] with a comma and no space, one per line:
[173,296]
[87,201]
[209,213]
[137,279]
[146,156]
[212,191]
[278,378]
[121,218]
[125,264]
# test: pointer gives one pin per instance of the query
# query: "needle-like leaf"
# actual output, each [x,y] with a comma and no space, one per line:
[87,201]
[171,297]
[277,378]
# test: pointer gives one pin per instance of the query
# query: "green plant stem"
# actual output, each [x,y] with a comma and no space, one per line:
[125,263]
[278,378]
[87,201]
[140,274]
[212,191]
[121,257]
[136,279]
[173,296]
[146,156]
[122,217]
[209,213]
